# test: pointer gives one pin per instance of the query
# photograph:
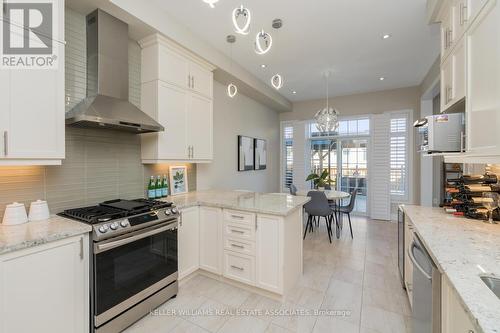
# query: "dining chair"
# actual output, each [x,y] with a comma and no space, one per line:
[293,189]
[318,207]
[349,208]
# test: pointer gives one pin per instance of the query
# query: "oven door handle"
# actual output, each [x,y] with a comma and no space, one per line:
[111,245]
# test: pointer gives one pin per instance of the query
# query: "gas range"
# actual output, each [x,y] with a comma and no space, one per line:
[116,217]
[133,259]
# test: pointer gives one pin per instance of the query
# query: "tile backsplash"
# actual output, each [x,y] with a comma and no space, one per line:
[100,165]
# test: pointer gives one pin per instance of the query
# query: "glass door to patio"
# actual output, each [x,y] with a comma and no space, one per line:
[347,161]
[353,173]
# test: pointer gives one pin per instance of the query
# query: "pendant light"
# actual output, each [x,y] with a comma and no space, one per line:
[232,90]
[277,81]
[327,118]
[244,14]
[263,42]
[211,3]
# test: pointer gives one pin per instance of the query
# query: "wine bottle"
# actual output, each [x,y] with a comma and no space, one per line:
[164,187]
[158,189]
[152,188]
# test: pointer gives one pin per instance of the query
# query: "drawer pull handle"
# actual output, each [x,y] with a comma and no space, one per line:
[238,268]
[237,217]
[237,231]
[238,246]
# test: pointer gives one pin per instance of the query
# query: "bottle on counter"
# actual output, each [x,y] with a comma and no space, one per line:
[152,188]
[164,187]
[158,188]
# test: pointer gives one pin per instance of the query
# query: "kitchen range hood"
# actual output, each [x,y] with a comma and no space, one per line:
[106,104]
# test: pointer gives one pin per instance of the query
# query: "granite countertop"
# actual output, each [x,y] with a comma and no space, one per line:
[18,237]
[463,249]
[264,203]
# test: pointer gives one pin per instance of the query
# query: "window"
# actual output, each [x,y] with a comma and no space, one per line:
[348,127]
[287,155]
[399,155]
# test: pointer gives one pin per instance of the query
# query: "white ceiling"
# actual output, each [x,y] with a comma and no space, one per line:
[342,36]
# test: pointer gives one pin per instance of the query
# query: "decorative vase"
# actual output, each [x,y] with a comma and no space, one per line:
[321,188]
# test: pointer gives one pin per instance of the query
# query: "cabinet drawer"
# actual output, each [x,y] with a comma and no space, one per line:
[239,217]
[239,267]
[239,246]
[239,231]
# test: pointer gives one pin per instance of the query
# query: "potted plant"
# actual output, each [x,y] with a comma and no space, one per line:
[319,181]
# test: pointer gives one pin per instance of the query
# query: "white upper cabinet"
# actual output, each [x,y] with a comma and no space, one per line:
[201,79]
[473,7]
[446,34]
[32,118]
[177,91]
[483,97]
[199,132]
[453,76]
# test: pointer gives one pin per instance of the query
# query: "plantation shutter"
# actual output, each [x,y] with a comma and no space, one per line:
[380,199]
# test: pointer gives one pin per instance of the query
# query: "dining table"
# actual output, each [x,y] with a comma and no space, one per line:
[335,197]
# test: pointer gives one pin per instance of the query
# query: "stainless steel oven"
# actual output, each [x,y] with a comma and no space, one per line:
[133,261]
[132,274]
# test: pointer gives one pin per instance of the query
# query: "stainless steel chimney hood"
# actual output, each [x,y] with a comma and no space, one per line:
[106,104]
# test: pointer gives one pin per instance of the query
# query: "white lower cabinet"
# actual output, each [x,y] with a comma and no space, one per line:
[269,247]
[45,289]
[239,267]
[188,235]
[260,250]
[454,318]
[211,239]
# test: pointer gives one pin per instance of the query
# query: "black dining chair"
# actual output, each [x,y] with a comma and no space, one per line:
[349,208]
[293,189]
[318,207]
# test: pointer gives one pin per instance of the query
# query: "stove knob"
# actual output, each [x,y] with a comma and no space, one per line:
[174,211]
[114,226]
[167,212]
[124,223]
[103,228]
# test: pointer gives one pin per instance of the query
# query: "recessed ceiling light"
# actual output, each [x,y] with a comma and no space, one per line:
[382,78]
[294,92]
[386,36]
[263,66]
[211,3]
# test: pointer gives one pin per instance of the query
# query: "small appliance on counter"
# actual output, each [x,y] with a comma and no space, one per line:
[15,214]
[443,133]
[133,261]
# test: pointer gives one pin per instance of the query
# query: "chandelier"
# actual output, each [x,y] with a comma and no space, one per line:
[327,118]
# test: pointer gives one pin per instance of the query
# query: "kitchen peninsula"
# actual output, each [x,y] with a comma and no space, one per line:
[251,238]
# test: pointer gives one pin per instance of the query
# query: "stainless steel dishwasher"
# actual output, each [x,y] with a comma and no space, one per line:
[426,290]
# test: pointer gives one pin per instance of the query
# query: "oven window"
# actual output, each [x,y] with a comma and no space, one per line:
[124,271]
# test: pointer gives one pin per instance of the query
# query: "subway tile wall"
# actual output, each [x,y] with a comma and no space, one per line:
[100,164]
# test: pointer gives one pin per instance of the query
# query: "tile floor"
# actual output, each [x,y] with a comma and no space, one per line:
[358,278]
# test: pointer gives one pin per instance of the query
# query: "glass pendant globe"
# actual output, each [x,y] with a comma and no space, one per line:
[327,120]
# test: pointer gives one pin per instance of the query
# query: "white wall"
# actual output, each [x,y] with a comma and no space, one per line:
[240,116]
